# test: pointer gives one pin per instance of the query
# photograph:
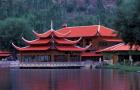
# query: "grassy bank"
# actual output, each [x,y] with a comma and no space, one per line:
[123,67]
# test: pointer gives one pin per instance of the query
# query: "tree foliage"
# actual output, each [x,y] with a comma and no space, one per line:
[19,17]
[60,11]
[11,30]
[128,21]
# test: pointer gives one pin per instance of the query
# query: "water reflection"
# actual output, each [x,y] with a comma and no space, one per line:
[68,79]
[5,83]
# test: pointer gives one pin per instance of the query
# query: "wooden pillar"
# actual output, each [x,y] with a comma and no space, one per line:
[37,57]
[84,44]
[20,57]
[130,59]
[115,59]
[52,57]
[68,57]
[80,58]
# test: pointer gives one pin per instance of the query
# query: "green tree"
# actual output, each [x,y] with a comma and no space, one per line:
[86,20]
[128,21]
[11,30]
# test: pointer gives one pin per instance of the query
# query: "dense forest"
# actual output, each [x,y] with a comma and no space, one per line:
[19,17]
[40,12]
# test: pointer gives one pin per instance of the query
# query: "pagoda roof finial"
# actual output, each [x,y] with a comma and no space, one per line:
[99,26]
[52,25]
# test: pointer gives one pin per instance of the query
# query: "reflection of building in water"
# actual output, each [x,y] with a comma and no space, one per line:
[59,79]
[30,80]
[5,83]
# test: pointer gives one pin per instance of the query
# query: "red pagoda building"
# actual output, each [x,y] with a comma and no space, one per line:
[121,52]
[4,54]
[99,36]
[51,46]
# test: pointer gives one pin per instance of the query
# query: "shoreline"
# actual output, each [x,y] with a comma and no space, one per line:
[46,65]
[126,68]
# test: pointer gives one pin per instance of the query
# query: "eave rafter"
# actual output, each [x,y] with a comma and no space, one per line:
[43,35]
[27,41]
[18,48]
[48,33]
[67,41]
[36,41]
[28,48]
[86,47]
[73,48]
[58,34]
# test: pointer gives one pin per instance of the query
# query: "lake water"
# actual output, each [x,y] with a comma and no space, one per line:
[68,79]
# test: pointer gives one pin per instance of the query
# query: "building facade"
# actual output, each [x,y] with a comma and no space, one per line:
[99,36]
[68,44]
[51,46]
[121,53]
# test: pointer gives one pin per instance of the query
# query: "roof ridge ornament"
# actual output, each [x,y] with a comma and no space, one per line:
[52,25]
[99,26]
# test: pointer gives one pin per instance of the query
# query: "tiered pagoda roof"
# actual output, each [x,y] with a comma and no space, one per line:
[88,31]
[51,40]
[92,31]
